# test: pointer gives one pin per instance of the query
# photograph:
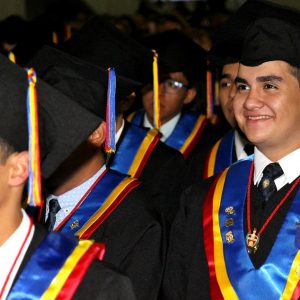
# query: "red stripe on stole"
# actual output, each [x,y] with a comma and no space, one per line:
[76,276]
[193,143]
[296,293]
[208,236]
[110,210]
[147,155]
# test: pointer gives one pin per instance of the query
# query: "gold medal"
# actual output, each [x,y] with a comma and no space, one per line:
[252,241]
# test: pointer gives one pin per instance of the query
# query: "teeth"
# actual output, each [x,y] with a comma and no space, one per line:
[258,117]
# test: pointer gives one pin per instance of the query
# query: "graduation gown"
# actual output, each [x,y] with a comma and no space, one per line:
[232,273]
[132,233]
[162,170]
[99,282]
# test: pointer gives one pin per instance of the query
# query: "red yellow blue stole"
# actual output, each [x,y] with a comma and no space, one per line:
[187,132]
[98,203]
[134,150]
[232,275]
[56,268]
[220,156]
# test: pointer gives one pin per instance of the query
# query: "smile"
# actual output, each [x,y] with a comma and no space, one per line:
[258,117]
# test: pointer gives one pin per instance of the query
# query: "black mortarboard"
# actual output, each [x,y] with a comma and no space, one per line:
[100,43]
[250,11]
[84,82]
[270,39]
[63,124]
[179,54]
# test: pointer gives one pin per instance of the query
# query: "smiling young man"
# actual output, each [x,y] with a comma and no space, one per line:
[249,241]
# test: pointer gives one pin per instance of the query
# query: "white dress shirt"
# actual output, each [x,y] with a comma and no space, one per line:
[239,143]
[119,132]
[69,200]
[9,252]
[165,129]
[290,165]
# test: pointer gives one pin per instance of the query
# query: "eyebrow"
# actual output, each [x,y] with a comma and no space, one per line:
[268,78]
[226,75]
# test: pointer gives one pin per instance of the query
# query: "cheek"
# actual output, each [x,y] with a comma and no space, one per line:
[237,106]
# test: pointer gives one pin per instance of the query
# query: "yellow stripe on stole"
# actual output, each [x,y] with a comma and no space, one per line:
[192,135]
[130,116]
[292,279]
[106,205]
[220,267]
[152,133]
[212,159]
[60,279]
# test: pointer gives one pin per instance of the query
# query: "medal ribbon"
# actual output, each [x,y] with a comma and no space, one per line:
[136,147]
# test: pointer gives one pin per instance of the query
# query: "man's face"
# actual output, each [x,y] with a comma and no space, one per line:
[227,91]
[172,100]
[267,107]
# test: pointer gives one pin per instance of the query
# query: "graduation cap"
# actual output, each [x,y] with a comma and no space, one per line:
[100,43]
[249,12]
[178,53]
[63,125]
[270,39]
[89,85]
[84,82]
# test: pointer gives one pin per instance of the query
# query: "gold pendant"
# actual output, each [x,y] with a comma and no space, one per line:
[252,241]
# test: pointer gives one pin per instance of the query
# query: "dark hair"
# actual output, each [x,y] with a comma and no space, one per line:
[295,72]
[6,150]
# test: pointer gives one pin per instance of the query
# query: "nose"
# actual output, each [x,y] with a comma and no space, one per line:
[253,100]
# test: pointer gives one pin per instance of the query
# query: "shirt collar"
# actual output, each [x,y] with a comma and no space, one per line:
[240,143]
[119,132]
[165,129]
[76,193]
[290,165]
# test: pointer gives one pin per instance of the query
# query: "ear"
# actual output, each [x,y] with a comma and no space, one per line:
[19,168]
[97,138]
[190,96]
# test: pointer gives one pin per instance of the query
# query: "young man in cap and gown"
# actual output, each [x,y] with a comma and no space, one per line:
[93,200]
[236,235]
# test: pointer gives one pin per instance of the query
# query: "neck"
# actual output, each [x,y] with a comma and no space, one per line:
[80,167]
[275,154]
[10,218]
[119,122]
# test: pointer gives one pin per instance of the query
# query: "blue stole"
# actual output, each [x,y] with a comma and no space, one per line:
[133,150]
[137,118]
[270,280]
[43,266]
[102,198]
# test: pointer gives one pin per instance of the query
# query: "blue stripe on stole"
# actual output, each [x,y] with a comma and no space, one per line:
[267,282]
[224,154]
[138,118]
[128,148]
[43,266]
[94,200]
[182,130]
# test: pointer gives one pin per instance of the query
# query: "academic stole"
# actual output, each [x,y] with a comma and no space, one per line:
[220,156]
[232,275]
[135,150]
[186,133]
[99,202]
[56,268]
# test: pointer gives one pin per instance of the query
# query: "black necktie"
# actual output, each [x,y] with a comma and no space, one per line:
[249,149]
[53,210]
[267,185]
